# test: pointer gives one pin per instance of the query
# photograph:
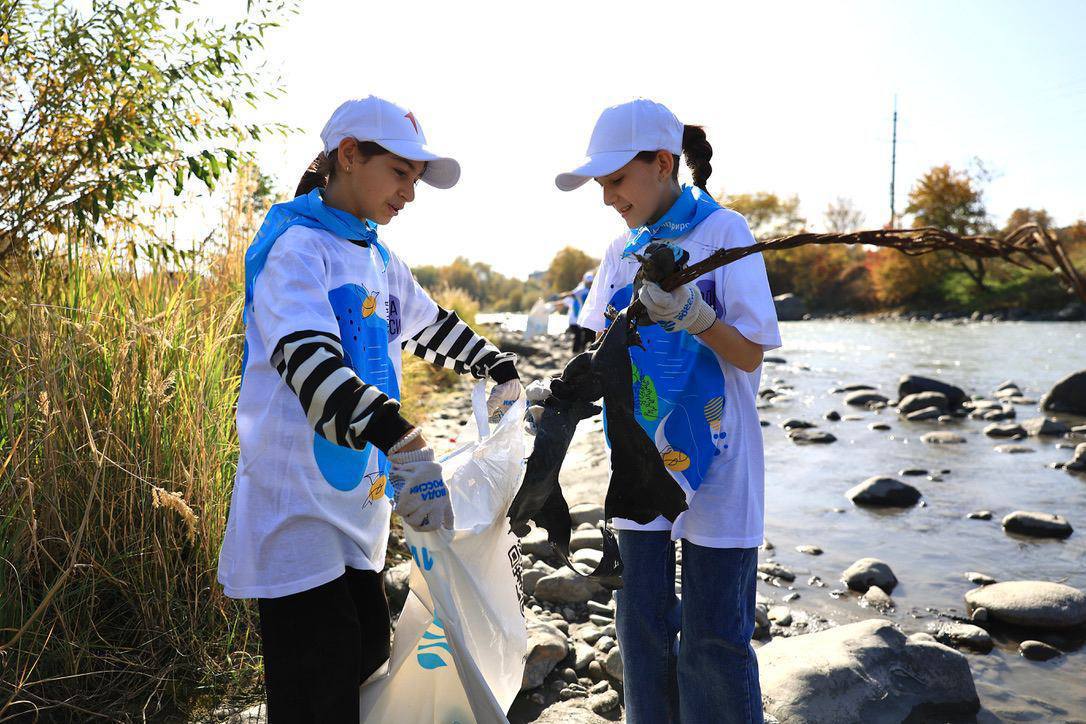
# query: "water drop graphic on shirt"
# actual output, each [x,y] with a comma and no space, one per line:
[365,350]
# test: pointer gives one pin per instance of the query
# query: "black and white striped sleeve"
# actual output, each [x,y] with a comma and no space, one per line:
[338,404]
[449,342]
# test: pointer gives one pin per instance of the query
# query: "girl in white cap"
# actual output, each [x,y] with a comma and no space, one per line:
[694,387]
[325,454]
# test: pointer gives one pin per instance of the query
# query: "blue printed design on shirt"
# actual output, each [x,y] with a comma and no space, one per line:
[432,644]
[679,395]
[364,335]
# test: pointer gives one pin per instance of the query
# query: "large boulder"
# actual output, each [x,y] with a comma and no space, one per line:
[1037,604]
[790,308]
[546,647]
[864,672]
[914,384]
[884,492]
[1068,395]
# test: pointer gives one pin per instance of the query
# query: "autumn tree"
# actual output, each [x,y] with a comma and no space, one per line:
[567,268]
[102,101]
[953,200]
[1023,216]
[767,214]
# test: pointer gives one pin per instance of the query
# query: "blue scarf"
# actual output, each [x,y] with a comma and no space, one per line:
[689,210]
[311,212]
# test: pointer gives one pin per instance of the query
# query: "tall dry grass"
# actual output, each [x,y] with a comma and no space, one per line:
[117,455]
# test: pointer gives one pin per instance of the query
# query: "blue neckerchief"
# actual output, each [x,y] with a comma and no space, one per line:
[311,212]
[689,210]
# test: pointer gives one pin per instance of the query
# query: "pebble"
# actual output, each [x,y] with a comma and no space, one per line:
[912,472]
[599,620]
[877,599]
[600,686]
[604,702]
[811,437]
[613,664]
[809,550]
[980,515]
[605,644]
[776,570]
[880,426]
[791,597]
[601,608]
[1038,651]
[591,538]
[1013,449]
[963,635]
[1038,525]
[595,671]
[868,572]
[832,416]
[942,437]
[980,614]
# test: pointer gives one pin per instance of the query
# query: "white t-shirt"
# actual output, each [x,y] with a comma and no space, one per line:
[304,508]
[699,408]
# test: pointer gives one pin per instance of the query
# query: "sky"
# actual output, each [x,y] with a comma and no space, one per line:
[796,98]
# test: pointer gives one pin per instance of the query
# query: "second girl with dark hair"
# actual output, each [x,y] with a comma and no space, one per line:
[694,385]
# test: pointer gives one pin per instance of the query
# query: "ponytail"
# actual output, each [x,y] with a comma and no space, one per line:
[697,150]
[323,168]
[316,176]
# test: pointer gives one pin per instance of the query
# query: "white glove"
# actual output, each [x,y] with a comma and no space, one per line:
[421,498]
[502,398]
[682,308]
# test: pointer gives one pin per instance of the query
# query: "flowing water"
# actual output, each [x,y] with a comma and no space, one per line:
[929,547]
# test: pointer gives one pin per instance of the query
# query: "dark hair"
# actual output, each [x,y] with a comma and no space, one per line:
[323,168]
[698,152]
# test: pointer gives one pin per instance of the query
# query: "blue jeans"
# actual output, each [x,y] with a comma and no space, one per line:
[711,673]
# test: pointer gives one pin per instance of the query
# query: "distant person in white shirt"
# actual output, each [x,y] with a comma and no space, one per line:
[574,301]
[694,386]
[325,454]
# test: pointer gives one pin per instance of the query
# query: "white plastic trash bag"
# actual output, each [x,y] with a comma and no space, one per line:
[538,320]
[459,646]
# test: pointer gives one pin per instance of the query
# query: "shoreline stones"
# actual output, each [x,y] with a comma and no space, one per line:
[1007,430]
[866,398]
[883,492]
[868,572]
[963,635]
[877,599]
[1038,651]
[810,437]
[915,384]
[1045,427]
[864,672]
[1037,525]
[566,586]
[546,647]
[1034,604]
[1068,395]
[920,401]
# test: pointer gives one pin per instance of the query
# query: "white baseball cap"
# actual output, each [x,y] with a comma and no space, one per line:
[395,129]
[588,276]
[621,133]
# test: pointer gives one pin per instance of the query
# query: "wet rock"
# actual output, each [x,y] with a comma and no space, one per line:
[878,426]
[1013,449]
[928,413]
[852,388]
[922,401]
[914,384]
[912,472]
[809,550]
[877,599]
[761,622]
[1045,426]
[981,579]
[868,572]
[863,672]
[1038,525]
[1036,604]
[775,360]
[591,513]
[794,424]
[1068,395]
[565,586]
[942,437]
[979,615]
[776,570]
[865,398]
[881,491]
[1038,651]
[811,437]
[832,416]
[591,538]
[546,647]
[963,635]
[980,515]
[1005,430]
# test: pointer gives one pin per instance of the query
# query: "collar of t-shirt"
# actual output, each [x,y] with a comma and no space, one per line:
[309,211]
[689,210]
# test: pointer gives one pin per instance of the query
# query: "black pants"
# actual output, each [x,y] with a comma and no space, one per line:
[320,645]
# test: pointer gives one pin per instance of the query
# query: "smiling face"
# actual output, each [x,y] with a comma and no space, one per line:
[376,187]
[641,191]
